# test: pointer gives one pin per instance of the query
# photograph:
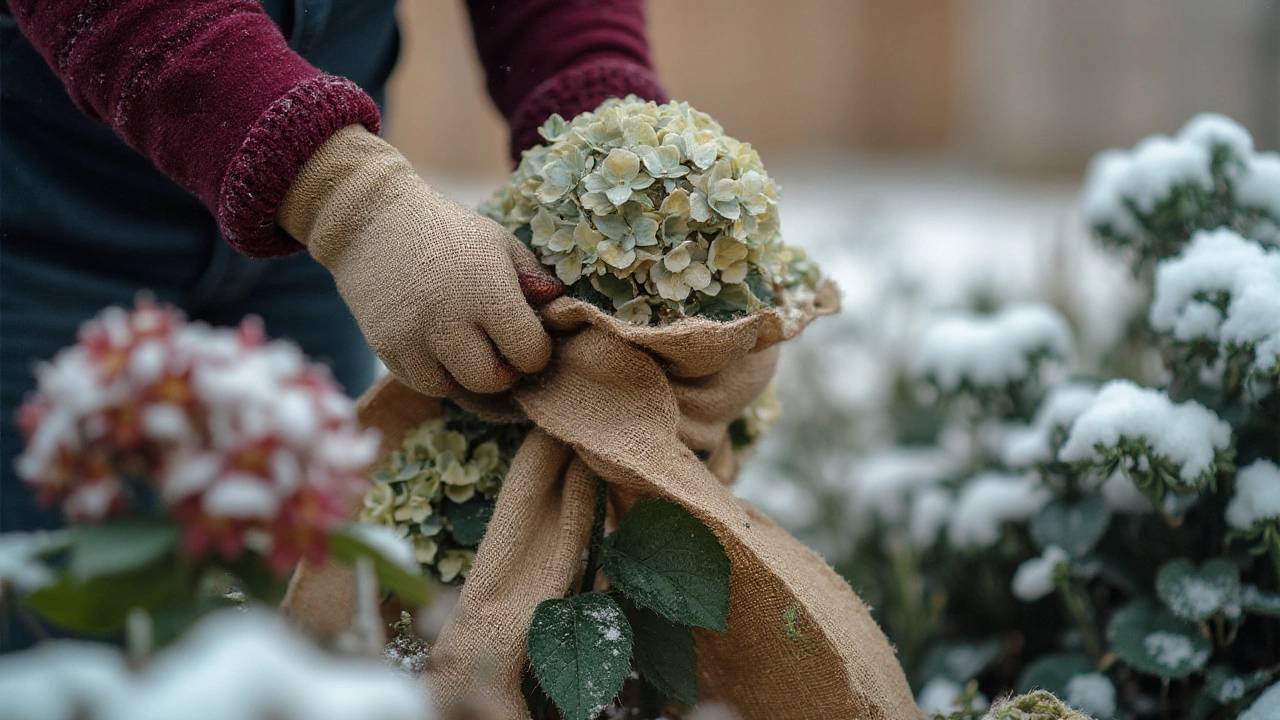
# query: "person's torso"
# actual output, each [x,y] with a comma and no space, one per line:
[69,185]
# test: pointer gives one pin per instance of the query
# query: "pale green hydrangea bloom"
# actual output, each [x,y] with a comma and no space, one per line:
[437,490]
[651,211]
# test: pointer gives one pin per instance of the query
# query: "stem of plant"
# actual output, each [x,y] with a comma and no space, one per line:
[597,536]
[1081,612]
[1273,550]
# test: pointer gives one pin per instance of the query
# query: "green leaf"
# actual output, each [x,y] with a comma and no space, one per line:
[665,559]
[665,653]
[1157,642]
[960,661]
[1053,672]
[119,547]
[580,651]
[1075,526]
[348,548]
[99,606]
[469,520]
[1224,685]
[1260,603]
[1199,594]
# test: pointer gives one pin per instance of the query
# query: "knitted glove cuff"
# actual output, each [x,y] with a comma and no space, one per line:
[276,147]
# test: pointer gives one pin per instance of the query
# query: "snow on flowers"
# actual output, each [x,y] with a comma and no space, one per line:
[242,440]
[652,212]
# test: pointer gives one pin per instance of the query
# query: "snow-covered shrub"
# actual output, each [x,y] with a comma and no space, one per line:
[1153,198]
[1111,538]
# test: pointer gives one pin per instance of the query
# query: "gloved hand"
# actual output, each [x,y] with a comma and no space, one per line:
[435,287]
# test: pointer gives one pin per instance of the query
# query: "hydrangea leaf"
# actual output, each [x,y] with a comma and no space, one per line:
[1260,603]
[469,520]
[1053,672]
[665,653]
[1157,642]
[119,547]
[100,605]
[1199,594]
[580,651]
[1225,686]
[665,559]
[1073,525]
[960,661]
[348,548]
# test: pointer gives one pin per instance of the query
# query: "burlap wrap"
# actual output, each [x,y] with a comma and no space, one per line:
[630,404]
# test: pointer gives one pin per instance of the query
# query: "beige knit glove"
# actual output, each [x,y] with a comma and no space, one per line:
[435,287]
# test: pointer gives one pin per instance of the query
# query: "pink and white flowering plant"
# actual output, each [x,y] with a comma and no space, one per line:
[242,440]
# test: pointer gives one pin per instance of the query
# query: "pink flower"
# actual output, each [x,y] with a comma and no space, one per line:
[248,445]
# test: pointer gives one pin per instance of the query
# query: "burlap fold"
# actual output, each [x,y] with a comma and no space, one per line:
[632,404]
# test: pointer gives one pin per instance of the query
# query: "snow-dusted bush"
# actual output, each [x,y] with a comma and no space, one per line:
[1111,538]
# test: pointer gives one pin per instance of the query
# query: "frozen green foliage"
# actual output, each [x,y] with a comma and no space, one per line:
[1109,531]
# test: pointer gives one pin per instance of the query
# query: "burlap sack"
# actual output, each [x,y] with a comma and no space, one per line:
[631,404]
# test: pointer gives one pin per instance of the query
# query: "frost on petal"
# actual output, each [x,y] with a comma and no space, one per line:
[241,498]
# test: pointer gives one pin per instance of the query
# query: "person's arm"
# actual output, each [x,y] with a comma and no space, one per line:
[208,90]
[560,56]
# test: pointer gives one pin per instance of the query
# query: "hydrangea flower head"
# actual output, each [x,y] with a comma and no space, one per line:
[242,440]
[653,213]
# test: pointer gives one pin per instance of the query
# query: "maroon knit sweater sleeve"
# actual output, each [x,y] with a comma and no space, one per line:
[208,90]
[560,56]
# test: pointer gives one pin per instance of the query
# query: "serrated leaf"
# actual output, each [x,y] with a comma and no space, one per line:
[665,559]
[347,548]
[1076,526]
[1157,642]
[1198,594]
[119,547]
[665,653]
[469,520]
[580,651]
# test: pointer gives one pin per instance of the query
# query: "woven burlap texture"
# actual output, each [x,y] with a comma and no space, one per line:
[630,404]
[435,287]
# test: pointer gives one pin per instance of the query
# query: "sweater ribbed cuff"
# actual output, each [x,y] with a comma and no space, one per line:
[274,150]
[577,90]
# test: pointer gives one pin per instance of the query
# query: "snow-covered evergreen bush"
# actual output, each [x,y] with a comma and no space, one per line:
[1111,538]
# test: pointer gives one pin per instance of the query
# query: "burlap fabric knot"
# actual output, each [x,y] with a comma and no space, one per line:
[637,406]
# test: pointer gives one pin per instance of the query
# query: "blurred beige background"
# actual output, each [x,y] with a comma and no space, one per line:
[1012,85]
